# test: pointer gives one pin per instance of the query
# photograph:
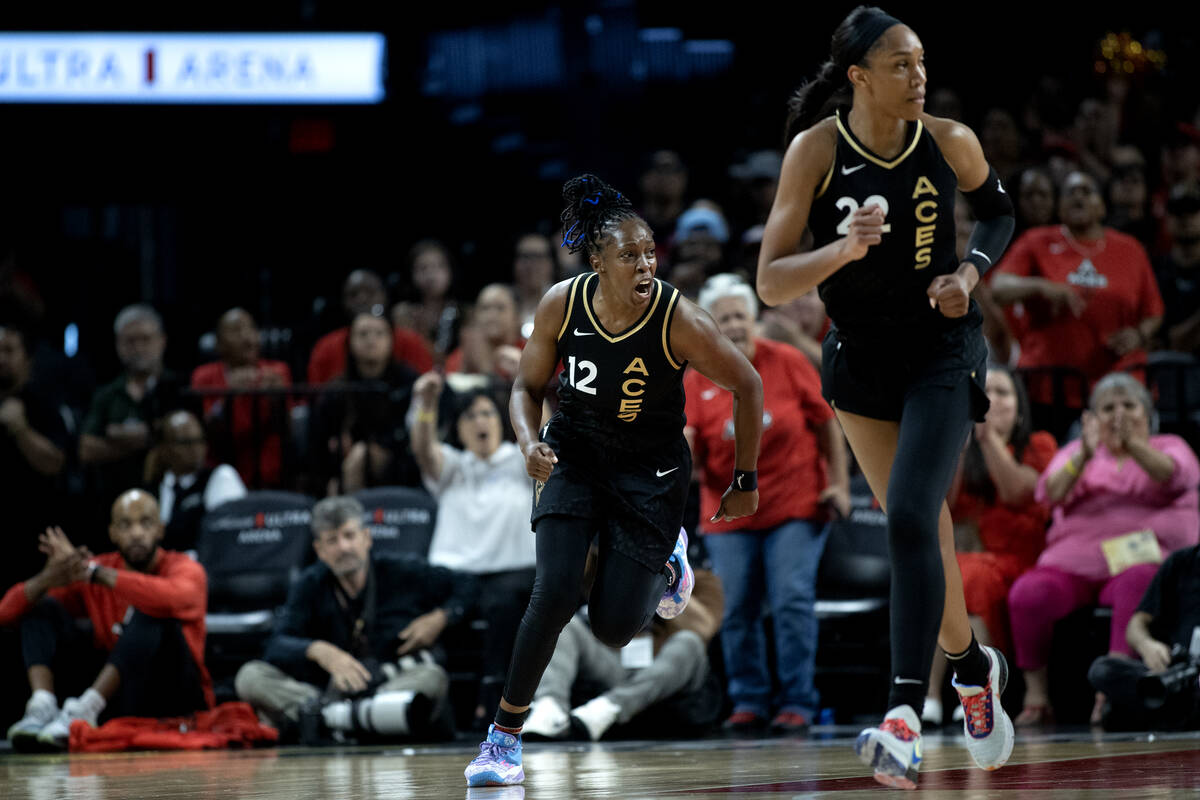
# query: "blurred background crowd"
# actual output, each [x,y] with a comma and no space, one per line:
[210,302]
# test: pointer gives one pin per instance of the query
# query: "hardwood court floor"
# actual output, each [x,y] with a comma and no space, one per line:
[1058,766]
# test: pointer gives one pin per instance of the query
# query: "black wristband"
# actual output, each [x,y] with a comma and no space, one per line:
[745,480]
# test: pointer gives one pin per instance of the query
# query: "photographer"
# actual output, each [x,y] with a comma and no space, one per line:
[352,651]
[1161,690]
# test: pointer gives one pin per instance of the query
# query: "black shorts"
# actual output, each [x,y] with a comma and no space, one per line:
[874,380]
[634,499]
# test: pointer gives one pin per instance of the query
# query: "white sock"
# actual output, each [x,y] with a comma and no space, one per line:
[597,715]
[41,697]
[93,702]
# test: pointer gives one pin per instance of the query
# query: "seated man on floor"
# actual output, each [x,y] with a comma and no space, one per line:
[668,659]
[352,648]
[1160,691]
[146,606]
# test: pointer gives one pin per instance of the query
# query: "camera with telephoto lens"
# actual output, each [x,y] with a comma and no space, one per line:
[1177,681]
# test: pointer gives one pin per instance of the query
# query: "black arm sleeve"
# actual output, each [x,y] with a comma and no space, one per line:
[993,209]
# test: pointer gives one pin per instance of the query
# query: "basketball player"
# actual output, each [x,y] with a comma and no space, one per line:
[903,366]
[613,460]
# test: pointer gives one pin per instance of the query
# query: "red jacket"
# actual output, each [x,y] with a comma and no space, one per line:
[176,589]
[328,359]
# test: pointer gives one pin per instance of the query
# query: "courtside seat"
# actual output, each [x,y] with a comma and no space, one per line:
[252,548]
[400,519]
[853,581]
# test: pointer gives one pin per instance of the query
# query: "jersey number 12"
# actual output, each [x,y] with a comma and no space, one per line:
[588,369]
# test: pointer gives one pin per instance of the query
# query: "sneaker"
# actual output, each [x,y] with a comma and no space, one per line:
[39,712]
[988,728]
[931,712]
[597,716]
[498,762]
[680,589]
[744,722]
[893,749]
[789,723]
[57,733]
[547,720]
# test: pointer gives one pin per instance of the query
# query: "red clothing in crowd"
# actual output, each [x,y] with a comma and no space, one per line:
[176,589]
[1114,277]
[1012,537]
[791,473]
[328,359]
[268,443]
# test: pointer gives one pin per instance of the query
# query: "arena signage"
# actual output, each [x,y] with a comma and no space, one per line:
[218,68]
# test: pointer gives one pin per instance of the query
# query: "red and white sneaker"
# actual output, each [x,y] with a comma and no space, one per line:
[893,749]
[987,726]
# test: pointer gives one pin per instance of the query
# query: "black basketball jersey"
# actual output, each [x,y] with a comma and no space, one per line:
[886,289]
[624,389]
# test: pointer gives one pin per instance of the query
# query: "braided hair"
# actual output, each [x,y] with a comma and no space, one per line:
[589,205]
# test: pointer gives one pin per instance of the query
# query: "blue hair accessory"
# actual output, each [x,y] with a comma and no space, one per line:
[593,200]
[568,241]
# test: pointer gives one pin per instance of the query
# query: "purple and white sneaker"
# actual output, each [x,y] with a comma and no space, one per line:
[679,591]
[498,762]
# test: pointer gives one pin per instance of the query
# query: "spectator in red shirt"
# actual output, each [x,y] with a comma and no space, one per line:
[245,431]
[146,606]
[1089,300]
[999,528]
[363,293]
[491,341]
[774,552]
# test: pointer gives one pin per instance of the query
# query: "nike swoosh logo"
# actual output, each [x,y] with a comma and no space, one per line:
[660,473]
[848,170]
[708,394]
[1000,186]
[581,333]
[981,254]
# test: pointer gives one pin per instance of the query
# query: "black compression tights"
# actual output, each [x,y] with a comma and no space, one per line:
[624,596]
[933,428]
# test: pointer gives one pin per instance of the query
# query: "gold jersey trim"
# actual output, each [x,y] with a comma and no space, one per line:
[828,175]
[666,324]
[874,159]
[570,306]
[641,323]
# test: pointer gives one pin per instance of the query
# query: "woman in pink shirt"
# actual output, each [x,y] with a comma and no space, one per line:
[1122,500]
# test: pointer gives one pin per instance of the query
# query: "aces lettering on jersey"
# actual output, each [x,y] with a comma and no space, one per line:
[631,403]
[926,212]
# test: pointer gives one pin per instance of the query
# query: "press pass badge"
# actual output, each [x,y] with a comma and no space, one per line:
[639,653]
[1123,552]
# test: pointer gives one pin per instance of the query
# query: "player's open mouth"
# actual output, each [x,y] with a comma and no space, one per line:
[643,288]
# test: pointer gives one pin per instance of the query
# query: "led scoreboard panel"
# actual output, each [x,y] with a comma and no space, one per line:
[202,68]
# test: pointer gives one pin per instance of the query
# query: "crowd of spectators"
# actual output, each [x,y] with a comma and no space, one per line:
[1102,277]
